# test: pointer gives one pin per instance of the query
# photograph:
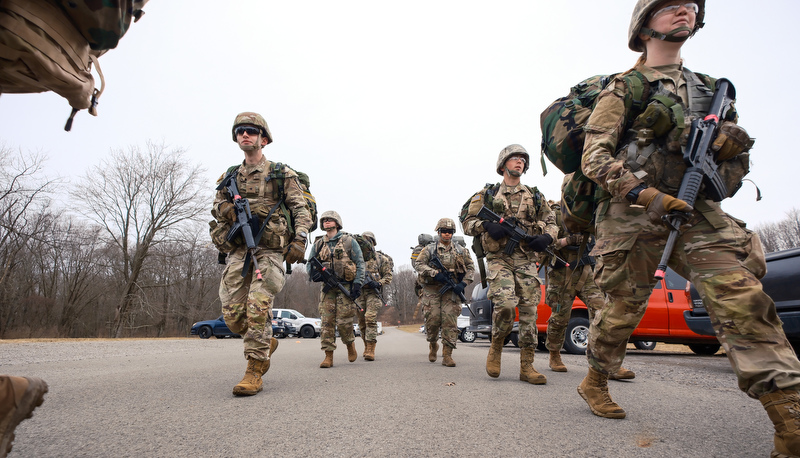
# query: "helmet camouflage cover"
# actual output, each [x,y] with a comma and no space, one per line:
[334,216]
[641,13]
[509,151]
[253,119]
[370,236]
[445,223]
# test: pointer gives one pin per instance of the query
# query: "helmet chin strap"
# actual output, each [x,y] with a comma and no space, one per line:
[669,36]
[513,173]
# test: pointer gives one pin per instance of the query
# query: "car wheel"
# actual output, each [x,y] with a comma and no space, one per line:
[644,345]
[205,332]
[577,336]
[467,336]
[307,332]
[704,349]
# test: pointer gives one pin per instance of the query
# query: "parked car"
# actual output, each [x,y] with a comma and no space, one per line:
[464,334]
[304,327]
[217,328]
[782,283]
[662,322]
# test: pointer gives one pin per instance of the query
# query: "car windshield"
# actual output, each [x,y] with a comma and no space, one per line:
[299,315]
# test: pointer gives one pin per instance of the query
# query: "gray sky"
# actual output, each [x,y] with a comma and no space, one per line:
[398,110]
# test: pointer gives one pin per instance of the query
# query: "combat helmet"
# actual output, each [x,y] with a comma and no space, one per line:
[445,223]
[253,119]
[509,151]
[334,216]
[370,236]
[642,12]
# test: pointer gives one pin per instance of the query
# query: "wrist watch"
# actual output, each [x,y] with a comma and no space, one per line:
[633,195]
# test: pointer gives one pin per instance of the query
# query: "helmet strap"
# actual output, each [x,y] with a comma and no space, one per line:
[669,36]
[513,173]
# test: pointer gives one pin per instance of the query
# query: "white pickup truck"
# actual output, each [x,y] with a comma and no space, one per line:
[306,327]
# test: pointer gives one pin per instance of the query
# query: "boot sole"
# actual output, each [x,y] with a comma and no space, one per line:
[244,392]
[534,381]
[616,416]
[558,369]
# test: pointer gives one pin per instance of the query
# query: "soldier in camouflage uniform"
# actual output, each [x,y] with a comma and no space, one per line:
[722,258]
[442,310]
[564,284]
[247,301]
[513,280]
[378,277]
[340,253]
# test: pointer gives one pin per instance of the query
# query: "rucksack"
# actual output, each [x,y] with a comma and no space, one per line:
[50,45]
[277,174]
[579,199]
[422,241]
[367,248]
[562,122]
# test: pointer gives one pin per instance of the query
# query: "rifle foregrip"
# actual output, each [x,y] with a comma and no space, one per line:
[510,245]
[690,186]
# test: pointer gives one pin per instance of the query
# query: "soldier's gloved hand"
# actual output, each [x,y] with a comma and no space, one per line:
[372,284]
[731,141]
[539,242]
[459,288]
[441,277]
[296,250]
[355,291]
[659,204]
[495,230]
[656,117]
[226,212]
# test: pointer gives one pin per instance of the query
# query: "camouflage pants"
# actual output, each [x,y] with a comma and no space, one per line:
[247,301]
[336,311]
[368,319]
[561,295]
[723,260]
[513,284]
[441,314]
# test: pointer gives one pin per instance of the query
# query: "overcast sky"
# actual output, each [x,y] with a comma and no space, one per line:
[398,110]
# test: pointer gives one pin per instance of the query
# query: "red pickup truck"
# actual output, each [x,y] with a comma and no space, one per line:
[662,322]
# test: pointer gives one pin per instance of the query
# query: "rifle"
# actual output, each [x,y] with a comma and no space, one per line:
[436,263]
[377,289]
[701,166]
[516,233]
[331,280]
[246,223]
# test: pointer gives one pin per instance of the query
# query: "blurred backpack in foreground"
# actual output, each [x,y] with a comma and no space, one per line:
[51,45]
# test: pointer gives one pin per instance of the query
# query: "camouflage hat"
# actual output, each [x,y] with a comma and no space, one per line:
[642,12]
[509,151]
[334,216]
[253,119]
[370,236]
[445,223]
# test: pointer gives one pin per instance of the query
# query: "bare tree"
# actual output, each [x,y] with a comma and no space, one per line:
[782,235]
[140,199]
[404,299]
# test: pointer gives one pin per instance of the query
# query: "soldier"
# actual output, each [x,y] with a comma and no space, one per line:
[339,252]
[19,396]
[247,300]
[564,283]
[441,310]
[513,280]
[722,258]
[378,276]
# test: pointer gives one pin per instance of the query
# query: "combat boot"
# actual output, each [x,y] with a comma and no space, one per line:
[434,348]
[328,361]
[447,356]
[364,339]
[369,352]
[594,390]
[527,373]
[494,357]
[556,365]
[18,398]
[251,383]
[622,374]
[352,354]
[783,408]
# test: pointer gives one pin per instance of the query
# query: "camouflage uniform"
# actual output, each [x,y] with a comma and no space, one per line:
[335,308]
[441,311]
[380,269]
[513,279]
[721,257]
[247,302]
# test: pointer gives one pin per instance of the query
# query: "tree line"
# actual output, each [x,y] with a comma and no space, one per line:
[130,255]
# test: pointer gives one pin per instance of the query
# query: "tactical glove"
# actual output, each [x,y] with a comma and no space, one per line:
[539,242]
[226,212]
[441,277]
[657,204]
[656,117]
[731,141]
[355,291]
[372,284]
[296,251]
[495,230]
[459,288]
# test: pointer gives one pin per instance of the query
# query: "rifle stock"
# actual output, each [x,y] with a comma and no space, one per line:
[331,280]
[244,225]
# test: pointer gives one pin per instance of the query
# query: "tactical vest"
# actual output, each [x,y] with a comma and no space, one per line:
[452,258]
[337,259]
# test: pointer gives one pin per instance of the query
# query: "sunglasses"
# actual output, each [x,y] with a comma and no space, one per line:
[518,158]
[251,131]
[447,231]
[674,9]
